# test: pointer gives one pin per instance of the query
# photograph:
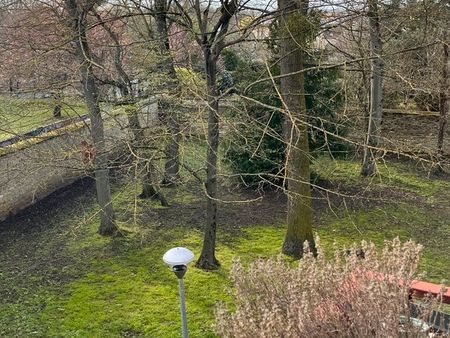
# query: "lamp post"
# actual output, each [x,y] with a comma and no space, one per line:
[178,259]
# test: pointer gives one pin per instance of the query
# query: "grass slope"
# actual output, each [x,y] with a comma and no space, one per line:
[18,116]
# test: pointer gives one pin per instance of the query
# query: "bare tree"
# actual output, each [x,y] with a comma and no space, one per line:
[210,36]
[376,91]
[77,11]
[172,164]
[141,146]
[212,44]
[443,97]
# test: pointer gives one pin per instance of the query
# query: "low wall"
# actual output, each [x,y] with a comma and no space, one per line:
[34,172]
[38,169]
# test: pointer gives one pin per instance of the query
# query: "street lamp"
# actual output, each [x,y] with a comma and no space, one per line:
[178,259]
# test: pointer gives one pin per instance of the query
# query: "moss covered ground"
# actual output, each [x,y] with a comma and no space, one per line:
[59,278]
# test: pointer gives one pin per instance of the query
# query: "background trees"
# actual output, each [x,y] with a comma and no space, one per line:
[35,59]
[135,44]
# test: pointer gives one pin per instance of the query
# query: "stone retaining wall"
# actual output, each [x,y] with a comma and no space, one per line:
[37,170]
[32,173]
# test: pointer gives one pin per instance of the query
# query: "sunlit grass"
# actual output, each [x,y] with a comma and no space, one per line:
[390,175]
[18,116]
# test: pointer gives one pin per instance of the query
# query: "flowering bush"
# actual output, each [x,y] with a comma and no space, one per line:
[358,293]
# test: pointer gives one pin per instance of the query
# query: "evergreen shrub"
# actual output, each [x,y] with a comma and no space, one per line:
[256,148]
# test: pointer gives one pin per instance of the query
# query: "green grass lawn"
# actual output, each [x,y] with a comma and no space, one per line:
[59,278]
[18,116]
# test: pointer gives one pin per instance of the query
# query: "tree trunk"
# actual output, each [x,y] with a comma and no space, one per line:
[172,165]
[299,213]
[90,91]
[58,107]
[207,259]
[376,93]
[172,151]
[150,187]
[107,223]
[443,100]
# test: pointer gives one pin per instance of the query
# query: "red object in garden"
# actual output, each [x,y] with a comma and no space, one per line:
[421,289]
[417,287]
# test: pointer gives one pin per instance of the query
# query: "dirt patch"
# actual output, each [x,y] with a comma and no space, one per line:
[31,242]
[245,207]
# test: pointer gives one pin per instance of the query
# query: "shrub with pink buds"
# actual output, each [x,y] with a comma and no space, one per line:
[361,292]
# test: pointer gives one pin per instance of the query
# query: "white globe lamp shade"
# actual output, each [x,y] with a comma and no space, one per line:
[178,256]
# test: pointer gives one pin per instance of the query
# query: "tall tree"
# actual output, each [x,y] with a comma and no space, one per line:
[172,164]
[211,38]
[78,11]
[294,30]
[141,146]
[212,45]
[443,97]
[213,29]
[376,91]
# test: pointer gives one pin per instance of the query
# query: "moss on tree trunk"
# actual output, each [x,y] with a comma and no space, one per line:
[293,34]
